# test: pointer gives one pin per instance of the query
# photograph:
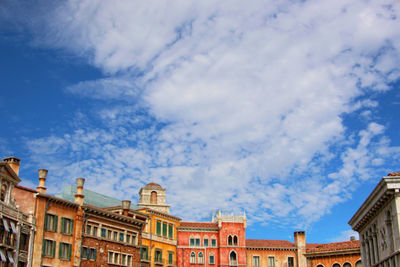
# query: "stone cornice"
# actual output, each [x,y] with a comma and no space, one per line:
[271,248]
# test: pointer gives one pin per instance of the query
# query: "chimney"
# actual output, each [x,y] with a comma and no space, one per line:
[300,242]
[79,191]
[42,181]
[14,163]
[126,205]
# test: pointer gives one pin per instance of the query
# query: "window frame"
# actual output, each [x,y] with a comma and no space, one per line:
[49,225]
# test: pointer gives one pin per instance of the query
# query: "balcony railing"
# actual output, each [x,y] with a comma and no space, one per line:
[14,213]
[145,259]
[158,261]
[171,263]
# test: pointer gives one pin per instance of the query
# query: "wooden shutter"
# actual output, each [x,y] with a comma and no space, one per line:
[55,222]
[63,225]
[71,227]
[46,218]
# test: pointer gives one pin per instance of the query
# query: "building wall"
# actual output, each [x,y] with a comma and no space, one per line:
[328,261]
[280,256]
[232,229]
[24,198]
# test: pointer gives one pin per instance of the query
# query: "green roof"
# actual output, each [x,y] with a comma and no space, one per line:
[91,197]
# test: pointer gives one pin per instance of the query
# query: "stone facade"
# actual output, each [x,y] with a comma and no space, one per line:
[378,223]
[152,196]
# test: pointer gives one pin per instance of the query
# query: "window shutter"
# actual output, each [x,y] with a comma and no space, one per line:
[55,222]
[71,227]
[53,248]
[44,247]
[60,250]
[63,225]
[69,251]
[95,252]
[46,218]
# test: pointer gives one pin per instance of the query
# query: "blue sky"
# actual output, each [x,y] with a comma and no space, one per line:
[288,110]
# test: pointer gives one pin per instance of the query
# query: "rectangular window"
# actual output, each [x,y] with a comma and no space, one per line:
[67,226]
[23,242]
[88,229]
[170,257]
[123,259]
[206,242]
[170,231]
[133,240]
[144,253]
[121,237]
[129,261]
[164,229]
[128,238]
[212,260]
[50,222]
[95,231]
[158,256]
[92,254]
[213,242]
[256,261]
[65,251]
[85,252]
[197,242]
[191,242]
[109,234]
[103,232]
[158,228]
[115,236]
[290,262]
[271,262]
[110,257]
[49,248]
[116,258]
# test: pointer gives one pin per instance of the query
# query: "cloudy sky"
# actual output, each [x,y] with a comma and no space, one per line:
[285,109]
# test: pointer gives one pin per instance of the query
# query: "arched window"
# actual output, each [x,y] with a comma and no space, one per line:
[358,264]
[211,259]
[320,265]
[336,265]
[235,240]
[347,264]
[3,192]
[230,241]
[201,258]
[153,197]
[193,257]
[232,258]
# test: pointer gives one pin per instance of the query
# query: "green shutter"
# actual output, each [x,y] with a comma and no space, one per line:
[158,230]
[71,227]
[170,231]
[46,218]
[60,250]
[69,251]
[164,229]
[170,255]
[44,247]
[55,222]
[95,252]
[63,225]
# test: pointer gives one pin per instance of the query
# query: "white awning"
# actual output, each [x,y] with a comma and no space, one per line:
[14,229]
[2,256]
[5,224]
[10,256]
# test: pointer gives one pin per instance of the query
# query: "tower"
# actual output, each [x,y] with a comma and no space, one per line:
[152,196]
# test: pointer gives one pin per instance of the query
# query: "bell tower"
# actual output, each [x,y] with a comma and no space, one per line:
[152,196]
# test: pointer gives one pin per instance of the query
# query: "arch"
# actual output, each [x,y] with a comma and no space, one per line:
[200,258]
[358,263]
[336,265]
[153,197]
[235,240]
[230,240]
[347,264]
[193,257]
[3,192]
[320,265]
[233,258]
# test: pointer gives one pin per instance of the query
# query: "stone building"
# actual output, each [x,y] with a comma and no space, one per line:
[221,242]
[377,222]
[159,237]
[77,234]
[17,229]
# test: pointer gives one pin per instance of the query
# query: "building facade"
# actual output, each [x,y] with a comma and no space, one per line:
[377,222]
[221,242]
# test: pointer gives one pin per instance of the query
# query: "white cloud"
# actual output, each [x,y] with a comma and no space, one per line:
[230,105]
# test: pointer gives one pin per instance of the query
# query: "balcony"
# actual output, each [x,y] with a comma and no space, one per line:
[159,262]
[12,212]
[171,264]
[144,258]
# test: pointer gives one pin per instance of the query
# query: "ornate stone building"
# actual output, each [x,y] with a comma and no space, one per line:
[378,223]
[17,229]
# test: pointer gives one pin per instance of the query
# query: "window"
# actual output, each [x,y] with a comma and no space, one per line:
[201,258]
[170,258]
[85,252]
[121,237]
[88,229]
[123,259]
[92,254]
[95,231]
[211,259]
[197,242]
[336,265]
[230,241]
[158,256]
[158,228]
[129,261]
[109,233]
[358,264]
[290,261]
[232,259]
[49,248]
[235,240]
[256,261]
[23,242]
[320,265]
[213,242]
[192,257]
[191,242]
[103,232]
[3,192]
[271,262]
[205,242]
[50,222]
[170,231]
[113,257]
[153,197]
[347,264]
[164,229]
[65,251]
[115,236]
[133,240]
[144,253]
[67,226]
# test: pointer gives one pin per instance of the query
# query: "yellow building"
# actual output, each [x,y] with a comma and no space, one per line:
[159,238]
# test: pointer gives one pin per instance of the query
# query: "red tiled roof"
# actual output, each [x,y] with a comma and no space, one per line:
[266,243]
[355,244]
[26,188]
[153,186]
[394,174]
[207,225]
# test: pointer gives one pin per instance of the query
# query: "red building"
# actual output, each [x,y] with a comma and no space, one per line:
[217,243]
